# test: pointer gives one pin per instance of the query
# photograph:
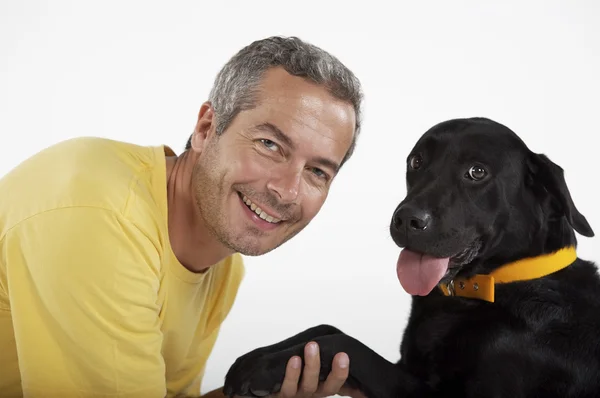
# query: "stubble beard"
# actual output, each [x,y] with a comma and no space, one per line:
[209,194]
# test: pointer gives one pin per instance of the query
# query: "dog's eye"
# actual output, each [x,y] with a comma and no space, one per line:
[415,162]
[476,173]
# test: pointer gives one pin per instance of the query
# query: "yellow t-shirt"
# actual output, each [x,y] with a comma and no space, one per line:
[93,302]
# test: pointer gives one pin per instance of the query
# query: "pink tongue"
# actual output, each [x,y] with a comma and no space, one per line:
[419,273]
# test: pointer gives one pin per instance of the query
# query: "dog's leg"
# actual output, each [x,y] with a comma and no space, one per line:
[369,372]
[302,337]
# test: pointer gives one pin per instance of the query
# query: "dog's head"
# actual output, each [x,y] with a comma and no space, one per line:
[477,198]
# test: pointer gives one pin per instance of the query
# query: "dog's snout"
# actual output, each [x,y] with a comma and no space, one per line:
[412,218]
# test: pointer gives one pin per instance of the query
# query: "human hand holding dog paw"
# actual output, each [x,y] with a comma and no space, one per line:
[310,384]
[256,374]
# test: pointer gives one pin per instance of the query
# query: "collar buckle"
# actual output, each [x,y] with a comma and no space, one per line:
[450,288]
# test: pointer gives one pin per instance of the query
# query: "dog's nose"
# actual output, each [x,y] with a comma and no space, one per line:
[414,219]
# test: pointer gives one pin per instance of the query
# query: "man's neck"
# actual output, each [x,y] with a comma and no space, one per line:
[193,245]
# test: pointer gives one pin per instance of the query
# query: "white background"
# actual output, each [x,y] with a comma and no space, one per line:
[138,72]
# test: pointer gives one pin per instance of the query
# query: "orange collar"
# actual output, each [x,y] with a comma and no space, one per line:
[482,286]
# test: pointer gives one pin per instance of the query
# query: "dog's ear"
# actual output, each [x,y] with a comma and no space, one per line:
[550,176]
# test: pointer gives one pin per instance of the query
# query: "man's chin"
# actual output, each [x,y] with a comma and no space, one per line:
[249,247]
[252,251]
[251,242]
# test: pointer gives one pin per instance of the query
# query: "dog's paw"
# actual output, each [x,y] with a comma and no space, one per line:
[256,374]
[261,371]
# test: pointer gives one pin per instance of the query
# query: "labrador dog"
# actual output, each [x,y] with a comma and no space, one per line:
[501,304]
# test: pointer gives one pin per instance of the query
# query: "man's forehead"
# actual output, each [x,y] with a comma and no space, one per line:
[303,121]
[308,111]
[279,89]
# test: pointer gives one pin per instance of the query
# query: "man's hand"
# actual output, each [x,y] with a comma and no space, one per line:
[277,371]
[309,385]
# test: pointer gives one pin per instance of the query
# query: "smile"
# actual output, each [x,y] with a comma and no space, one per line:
[260,212]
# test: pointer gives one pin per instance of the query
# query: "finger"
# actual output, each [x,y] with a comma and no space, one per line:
[312,367]
[340,369]
[289,387]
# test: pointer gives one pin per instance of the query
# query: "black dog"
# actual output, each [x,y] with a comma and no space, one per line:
[502,306]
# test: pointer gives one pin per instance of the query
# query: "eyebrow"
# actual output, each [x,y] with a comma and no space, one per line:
[283,137]
[328,163]
[276,131]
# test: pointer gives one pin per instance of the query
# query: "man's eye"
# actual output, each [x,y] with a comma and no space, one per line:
[270,145]
[319,173]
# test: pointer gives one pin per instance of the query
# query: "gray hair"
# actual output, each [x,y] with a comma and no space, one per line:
[237,84]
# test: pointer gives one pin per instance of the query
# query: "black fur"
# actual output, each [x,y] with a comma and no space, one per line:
[540,338]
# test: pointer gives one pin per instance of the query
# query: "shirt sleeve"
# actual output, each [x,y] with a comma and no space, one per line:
[83,287]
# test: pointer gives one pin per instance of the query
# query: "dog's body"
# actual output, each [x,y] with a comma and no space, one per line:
[478,201]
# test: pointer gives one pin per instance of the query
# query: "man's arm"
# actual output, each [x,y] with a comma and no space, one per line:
[83,286]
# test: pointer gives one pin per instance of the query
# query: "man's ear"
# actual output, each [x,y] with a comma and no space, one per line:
[550,177]
[204,127]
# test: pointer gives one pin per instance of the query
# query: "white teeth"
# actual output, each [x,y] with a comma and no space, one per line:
[260,212]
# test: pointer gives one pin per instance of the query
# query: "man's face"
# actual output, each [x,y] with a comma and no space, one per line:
[267,176]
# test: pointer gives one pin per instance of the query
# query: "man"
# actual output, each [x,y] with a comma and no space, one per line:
[118,263]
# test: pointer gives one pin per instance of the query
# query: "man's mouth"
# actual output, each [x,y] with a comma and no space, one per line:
[258,211]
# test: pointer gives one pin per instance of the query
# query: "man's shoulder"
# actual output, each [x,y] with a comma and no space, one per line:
[85,159]
[90,151]
[79,172]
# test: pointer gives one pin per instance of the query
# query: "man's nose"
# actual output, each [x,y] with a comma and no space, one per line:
[286,184]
